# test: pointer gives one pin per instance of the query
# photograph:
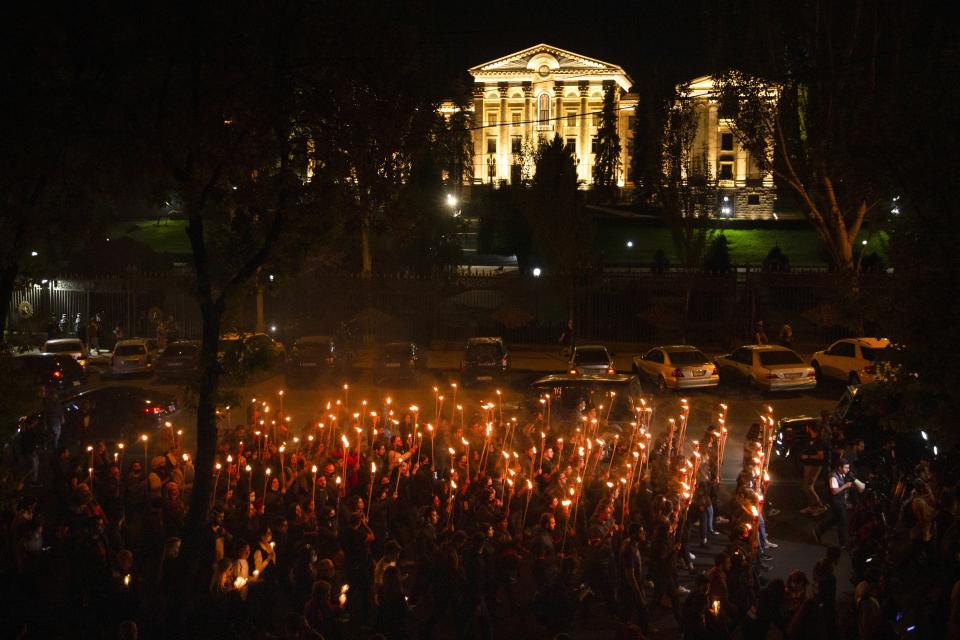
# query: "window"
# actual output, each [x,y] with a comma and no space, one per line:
[726,142]
[726,170]
[571,118]
[491,169]
[543,108]
[516,144]
[753,198]
[491,145]
[571,145]
[596,119]
[593,144]
[743,356]
[844,350]
[516,118]
[654,356]
[631,122]
[491,119]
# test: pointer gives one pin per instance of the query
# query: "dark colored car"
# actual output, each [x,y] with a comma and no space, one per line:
[860,417]
[58,370]
[571,395]
[244,353]
[485,360]
[399,360]
[312,357]
[114,414]
[180,360]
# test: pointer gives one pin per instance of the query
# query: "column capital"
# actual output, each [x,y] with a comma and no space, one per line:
[503,88]
[527,89]
[584,87]
[558,88]
[478,90]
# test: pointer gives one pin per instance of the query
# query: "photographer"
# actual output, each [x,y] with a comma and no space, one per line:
[840,483]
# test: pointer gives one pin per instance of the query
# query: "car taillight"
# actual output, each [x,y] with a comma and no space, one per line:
[872,369]
[772,376]
[573,372]
[153,410]
[57,374]
[611,370]
[503,361]
[812,373]
[715,372]
[677,373]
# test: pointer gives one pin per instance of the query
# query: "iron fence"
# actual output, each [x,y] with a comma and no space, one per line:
[618,306]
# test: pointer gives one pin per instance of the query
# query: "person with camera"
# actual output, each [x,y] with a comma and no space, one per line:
[840,482]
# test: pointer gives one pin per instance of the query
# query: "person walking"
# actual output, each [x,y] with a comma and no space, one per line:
[568,339]
[840,485]
[93,334]
[786,335]
[813,452]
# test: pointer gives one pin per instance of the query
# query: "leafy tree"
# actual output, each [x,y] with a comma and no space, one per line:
[563,232]
[717,259]
[811,108]
[422,233]
[776,260]
[606,167]
[673,174]
[224,107]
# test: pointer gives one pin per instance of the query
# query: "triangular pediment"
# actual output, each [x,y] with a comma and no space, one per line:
[545,60]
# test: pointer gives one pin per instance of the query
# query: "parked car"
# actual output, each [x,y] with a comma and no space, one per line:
[313,356]
[572,395]
[116,413]
[241,353]
[485,359]
[180,360]
[403,360]
[861,415]
[58,370]
[133,355]
[851,360]
[590,359]
[677,367]
[72,347]
[262,350]
[767,367]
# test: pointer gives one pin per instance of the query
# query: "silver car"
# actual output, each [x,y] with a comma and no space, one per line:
[590,359]
[677,367]
[135,355]
[767,367]
[72,347]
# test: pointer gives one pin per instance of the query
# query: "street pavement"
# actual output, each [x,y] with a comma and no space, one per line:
[791,530]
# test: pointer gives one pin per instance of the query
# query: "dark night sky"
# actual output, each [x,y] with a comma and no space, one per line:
[639,36]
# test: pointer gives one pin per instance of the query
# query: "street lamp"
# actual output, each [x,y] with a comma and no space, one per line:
[536,272]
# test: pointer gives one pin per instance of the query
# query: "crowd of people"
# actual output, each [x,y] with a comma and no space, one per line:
[387,526]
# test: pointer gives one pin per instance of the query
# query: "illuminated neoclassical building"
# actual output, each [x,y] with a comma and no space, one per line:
[544,90]
[539,92]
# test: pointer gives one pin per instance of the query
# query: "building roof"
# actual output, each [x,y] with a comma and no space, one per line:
[543,62]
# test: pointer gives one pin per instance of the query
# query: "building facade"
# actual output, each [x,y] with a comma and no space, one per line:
[535,94]
[543,91]
[744,188]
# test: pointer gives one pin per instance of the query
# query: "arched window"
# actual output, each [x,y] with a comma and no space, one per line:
[543,109]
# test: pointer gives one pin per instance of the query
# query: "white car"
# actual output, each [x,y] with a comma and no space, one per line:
[767,367]
[134,355]
[72,347]
[851,360]
[590,359]
[677,367]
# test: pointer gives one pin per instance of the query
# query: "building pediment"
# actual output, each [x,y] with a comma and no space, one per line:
[545,62]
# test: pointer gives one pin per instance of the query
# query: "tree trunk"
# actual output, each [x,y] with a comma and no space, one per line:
[8,278]
[366,269]
[204,459]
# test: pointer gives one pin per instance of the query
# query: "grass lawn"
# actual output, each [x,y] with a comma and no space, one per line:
[747,246]
[170,236]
